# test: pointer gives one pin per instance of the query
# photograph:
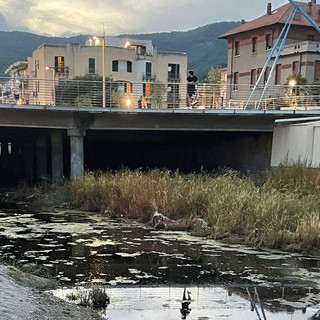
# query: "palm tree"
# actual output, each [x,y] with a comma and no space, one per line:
[296,80]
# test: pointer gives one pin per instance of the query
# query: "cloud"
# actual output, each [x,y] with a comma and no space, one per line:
[57,17]
[3,24]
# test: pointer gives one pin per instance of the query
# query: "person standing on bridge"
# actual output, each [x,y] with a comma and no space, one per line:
[192,80]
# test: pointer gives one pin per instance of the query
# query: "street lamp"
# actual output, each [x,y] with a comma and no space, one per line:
[97,41]
[292,83]
[53,86]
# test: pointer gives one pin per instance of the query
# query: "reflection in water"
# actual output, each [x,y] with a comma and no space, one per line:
[186,300]
[137,302]
[79,248]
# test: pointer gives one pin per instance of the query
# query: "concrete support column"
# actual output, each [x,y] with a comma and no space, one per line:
[41,158]
[28,162]
[76,153]
[57,155]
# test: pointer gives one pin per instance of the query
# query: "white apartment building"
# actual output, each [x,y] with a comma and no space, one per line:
[132,61]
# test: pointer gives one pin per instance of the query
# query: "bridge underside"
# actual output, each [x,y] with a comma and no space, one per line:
[48,143]
[33,155]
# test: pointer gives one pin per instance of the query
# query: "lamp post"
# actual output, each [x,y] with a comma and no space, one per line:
[103,44]
[53,86]
[293,85]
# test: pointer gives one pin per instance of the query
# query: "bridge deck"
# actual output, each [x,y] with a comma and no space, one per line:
[55,117]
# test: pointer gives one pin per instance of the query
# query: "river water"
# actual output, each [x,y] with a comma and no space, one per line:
[145,271]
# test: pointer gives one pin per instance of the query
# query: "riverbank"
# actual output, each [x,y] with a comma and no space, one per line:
[22,296]
[282,212]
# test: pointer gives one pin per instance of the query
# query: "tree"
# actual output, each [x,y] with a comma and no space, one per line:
[158,91]
[292,98]
[297,79]
[214,76]
[85,91]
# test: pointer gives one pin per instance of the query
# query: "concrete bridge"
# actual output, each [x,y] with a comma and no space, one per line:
[52,141]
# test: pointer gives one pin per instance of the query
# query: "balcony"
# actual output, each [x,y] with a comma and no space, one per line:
[300,47]
[62,70]
[174,77]
[149,76]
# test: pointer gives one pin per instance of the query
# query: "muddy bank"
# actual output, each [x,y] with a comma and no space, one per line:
[22,297]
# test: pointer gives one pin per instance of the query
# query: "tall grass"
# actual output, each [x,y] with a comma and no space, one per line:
[297,177]
[282,213]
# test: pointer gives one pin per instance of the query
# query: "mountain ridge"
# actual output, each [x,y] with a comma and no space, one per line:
[202,45]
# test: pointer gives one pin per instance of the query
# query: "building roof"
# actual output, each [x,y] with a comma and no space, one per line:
[279,15]
[19,65]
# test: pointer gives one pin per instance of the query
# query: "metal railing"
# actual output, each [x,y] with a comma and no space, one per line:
[155,95]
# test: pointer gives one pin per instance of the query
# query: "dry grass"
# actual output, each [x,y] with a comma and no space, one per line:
[309,231]
[298,177]
[275,215]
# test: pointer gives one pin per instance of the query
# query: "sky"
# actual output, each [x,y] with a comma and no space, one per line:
[71,17]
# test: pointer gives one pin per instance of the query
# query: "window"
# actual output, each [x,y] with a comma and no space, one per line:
[92,66]
[115,65]
[36,67]
[266,75]
[148,69]
[173,71]
[235,80]
[146,90]
[295,67]
[141,50]
[253,77]
[268,41]
[254,45]
[129,66]
[316,70]
[278,74]
[128,87]
[236,48]
[59,64]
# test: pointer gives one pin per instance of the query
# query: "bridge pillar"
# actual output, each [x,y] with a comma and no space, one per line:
[57,155]
[41,158]
[76,153]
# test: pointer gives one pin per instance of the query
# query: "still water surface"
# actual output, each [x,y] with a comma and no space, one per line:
[145,270]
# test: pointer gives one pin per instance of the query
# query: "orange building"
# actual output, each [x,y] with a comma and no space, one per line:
[249,46]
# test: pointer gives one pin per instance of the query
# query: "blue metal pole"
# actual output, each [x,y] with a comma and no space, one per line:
[305,15]
[276,58]
[269,58]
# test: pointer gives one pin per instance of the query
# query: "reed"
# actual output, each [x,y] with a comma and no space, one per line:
[297,177]
[276,214]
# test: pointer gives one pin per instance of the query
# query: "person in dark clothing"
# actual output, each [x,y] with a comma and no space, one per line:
[186,300]
[192,80]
